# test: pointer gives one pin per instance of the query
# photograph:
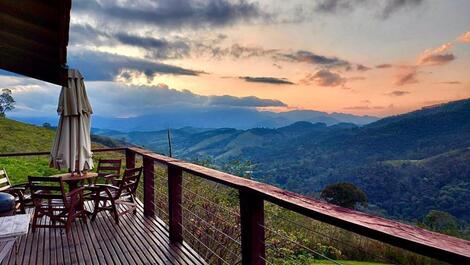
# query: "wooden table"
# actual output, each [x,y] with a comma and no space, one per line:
[73,179]
[11,228]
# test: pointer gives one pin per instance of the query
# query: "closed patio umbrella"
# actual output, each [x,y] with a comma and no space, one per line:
[72,144]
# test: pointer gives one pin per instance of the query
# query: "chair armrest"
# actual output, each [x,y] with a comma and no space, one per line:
[20,186]
[106,186]
[110,178]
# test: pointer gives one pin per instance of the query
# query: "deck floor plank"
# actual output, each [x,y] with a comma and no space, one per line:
[136,240]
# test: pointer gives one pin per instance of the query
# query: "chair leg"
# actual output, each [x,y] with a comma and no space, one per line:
[115,213]
[35,218]
[95,210]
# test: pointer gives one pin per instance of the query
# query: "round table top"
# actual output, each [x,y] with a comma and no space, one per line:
[77,177]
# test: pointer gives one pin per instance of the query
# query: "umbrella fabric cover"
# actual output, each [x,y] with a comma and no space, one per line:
[72,144]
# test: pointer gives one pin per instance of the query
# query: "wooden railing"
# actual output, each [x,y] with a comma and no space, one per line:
[253,194]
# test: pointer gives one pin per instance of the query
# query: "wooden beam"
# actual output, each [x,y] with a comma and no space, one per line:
[25,29]
[33,11]
[252,228]
[23,64]
[130,159]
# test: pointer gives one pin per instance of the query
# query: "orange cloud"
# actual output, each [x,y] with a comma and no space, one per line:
[464,37]
[438,56]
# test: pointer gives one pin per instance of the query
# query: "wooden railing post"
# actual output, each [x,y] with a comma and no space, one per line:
[252,228]
[175,197]
[130,159]
[149,186]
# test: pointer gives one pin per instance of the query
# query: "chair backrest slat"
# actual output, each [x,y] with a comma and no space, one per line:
[4,180]
[108,166]
[130,180]
[46,188]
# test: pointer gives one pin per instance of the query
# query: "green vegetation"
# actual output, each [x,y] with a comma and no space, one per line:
[344,194]
[291,238]
[407,165]
[7,103]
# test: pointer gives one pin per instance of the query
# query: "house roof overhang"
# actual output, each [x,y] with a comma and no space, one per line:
[34,35]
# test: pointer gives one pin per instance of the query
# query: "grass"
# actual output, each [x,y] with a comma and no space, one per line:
[345,262]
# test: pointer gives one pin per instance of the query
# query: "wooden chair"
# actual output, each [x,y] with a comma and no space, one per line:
[22,197]
[108,170]
[122,192]
[51,200]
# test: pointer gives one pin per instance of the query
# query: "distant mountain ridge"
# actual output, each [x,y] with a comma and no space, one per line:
[239,118]
[407,164]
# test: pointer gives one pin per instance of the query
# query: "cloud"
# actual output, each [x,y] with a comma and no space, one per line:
[106,66]
[155,48]
[316,59]
[393,6]
[267,80]
[398,93]
[172,13]
[409,76]
[243,101]
[464,38]
[362,68]
[366,107]
[438,56]
[450,82]
[382,66]
[383,8]
[108,98]
[324,78]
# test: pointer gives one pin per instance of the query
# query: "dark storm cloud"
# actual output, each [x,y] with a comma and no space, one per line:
[173,13]
[106,66]
[267,80]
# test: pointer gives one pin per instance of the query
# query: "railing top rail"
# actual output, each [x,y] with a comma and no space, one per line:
[447,248]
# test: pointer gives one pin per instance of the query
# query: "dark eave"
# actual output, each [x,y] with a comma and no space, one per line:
[34,37]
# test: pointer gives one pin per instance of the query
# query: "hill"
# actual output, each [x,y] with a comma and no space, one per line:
[20,137]
[407,164]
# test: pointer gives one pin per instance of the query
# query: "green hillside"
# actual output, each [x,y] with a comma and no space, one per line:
[20,137]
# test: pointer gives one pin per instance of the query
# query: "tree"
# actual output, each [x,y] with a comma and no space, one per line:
[7,103]
[441,222]
[345,195]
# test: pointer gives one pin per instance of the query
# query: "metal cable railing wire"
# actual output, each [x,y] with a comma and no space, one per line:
[210,225]
[344,242]
[216,241]
[300,245]
[205,246]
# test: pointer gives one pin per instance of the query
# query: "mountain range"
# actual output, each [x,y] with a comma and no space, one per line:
[238,118]
[407,164]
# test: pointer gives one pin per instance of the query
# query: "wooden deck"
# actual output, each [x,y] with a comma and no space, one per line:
[136,240]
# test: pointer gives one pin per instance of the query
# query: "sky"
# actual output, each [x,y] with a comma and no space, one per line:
[365,57]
